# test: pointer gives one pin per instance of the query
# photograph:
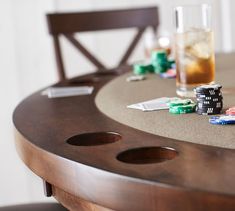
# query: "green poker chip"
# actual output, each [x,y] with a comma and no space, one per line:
[183,109]
[180,102]
[141,68]
[150,68]
[159,61]
[160,67]
[160,55]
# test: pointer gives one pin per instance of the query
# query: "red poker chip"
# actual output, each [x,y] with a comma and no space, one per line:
[230,111]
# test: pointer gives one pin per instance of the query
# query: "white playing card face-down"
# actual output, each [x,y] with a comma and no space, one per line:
[54,92]
[155,104]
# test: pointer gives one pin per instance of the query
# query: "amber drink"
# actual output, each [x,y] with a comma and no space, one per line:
[194,52]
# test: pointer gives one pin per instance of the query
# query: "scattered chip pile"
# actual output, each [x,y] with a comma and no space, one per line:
[159,64]
[142,68]
[209,99]
[182,106]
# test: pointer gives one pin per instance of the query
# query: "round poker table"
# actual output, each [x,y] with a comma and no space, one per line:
[96,154]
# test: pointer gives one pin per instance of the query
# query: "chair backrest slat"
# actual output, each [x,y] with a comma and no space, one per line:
[132,46]
[59,60]
[102,20]
[85,52]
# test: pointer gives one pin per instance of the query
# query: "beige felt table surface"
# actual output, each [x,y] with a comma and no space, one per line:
[114,97]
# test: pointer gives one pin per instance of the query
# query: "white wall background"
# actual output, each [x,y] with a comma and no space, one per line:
[27,64]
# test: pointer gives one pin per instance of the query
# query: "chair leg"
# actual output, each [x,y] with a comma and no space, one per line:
[47,189]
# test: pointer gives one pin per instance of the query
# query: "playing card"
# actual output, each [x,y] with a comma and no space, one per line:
[155,104]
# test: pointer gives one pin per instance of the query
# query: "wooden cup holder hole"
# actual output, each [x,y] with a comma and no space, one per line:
[147,155]
[94,139]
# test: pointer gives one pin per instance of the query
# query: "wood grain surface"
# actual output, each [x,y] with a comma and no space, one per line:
[171,175]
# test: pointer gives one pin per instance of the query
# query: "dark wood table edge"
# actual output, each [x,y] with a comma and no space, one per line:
[31,155]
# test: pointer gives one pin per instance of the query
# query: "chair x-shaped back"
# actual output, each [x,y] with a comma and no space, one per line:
[68,24]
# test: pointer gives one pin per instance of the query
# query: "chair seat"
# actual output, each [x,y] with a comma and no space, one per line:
[35,207]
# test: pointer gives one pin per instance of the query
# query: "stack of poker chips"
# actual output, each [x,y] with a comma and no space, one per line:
[160,61]
[209,99]
[182,106]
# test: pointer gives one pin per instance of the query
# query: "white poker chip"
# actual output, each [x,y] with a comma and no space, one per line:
[227,118]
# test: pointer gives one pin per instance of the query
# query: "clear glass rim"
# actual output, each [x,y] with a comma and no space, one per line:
[187,10]
[193,6]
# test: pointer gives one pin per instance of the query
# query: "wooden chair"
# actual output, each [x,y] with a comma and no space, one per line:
[67,24]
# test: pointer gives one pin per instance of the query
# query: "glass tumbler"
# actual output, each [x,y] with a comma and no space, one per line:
[194,48]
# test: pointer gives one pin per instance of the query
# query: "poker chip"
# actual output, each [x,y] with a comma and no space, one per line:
[180,102]
[227,119]
[230,111]
[209,93]
[205,104]
[160,61]
[222,120]
[208,88]
[159,55]
[181,106]
[204,113]
[142,67]
[182,109]
[214,120]
[208,110]
[209,99]
[160,68]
